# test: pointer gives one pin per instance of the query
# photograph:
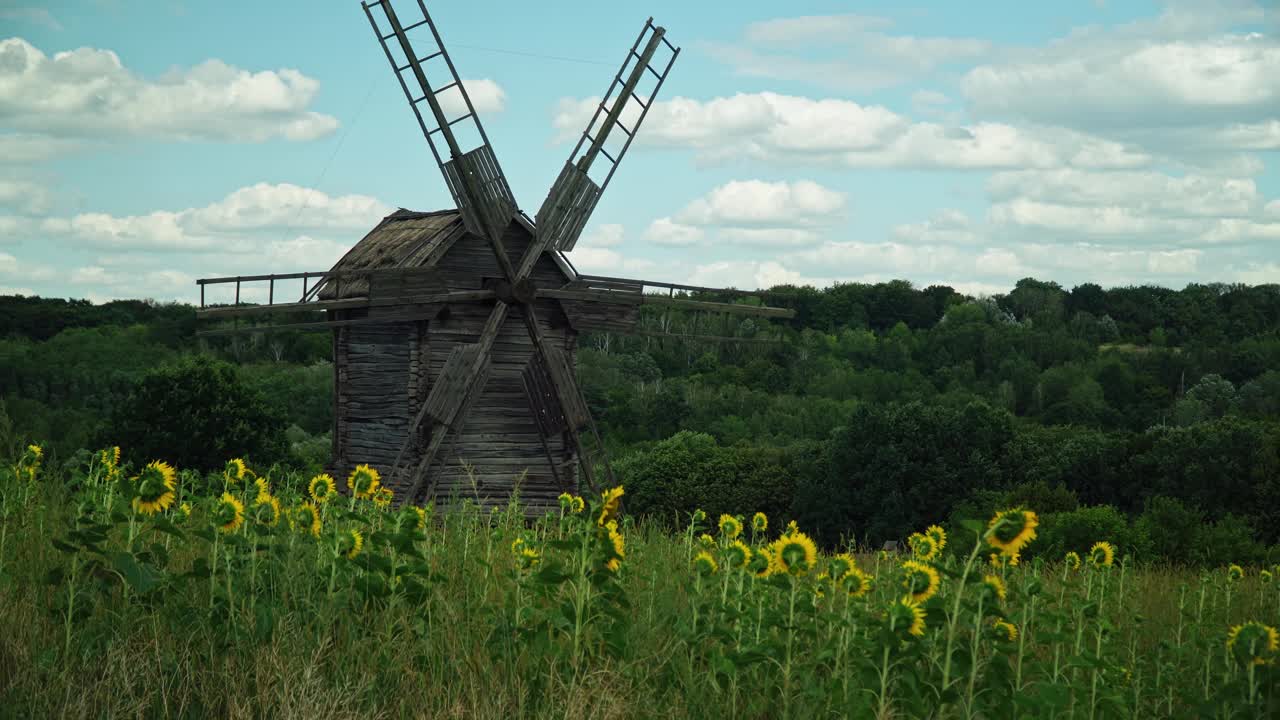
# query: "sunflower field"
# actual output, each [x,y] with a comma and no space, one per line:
[155,592]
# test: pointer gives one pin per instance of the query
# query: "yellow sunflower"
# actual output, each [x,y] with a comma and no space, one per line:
[229,513]
[1005,630]
[996,586]
[578,504]
[1235,573]
[856,582]
[185,509]
[306,518]
[352,544]
[269,514]
[1265,576]
[840,565]
[792,528]
[939,536]
[384,497]
[737,554]
[1102,554]
[363,482]
[794,553]
[1010,530]
[1001,560]
[156,486]
[617,544]
[422,517]
[565,500]
[235,470]
[1072,560]
[1254,642]
[759,522]
[528,557]
[761,564]
[705,564]
[908,616]
[263,487]
[611,500]
[923,547]
[322,488]
[921,581]
[730,527]
[706,541]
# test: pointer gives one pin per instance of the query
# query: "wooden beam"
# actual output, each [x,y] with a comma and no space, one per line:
[319,324]
[604,296]
[240,310]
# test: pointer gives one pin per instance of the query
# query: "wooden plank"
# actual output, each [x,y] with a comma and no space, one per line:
[719,307]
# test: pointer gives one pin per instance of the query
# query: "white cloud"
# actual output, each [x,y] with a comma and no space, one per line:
[597,252]
[486,97]
[602,236]
[89,93]
[946,227]
[32,15]
[665,231]
[15,269]
[22,148]
[223,224]
[749,275]
[787,129]
[843,51]
[747,203]
[25,196]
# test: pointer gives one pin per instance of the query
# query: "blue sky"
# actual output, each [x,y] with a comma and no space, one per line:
[143,145]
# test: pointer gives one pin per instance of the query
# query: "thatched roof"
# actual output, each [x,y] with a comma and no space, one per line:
[403,239]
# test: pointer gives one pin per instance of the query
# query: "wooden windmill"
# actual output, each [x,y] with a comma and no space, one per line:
[454,332]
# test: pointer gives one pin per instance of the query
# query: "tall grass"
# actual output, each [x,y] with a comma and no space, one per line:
[107,612]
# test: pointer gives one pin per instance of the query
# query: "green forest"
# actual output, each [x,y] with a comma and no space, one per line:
[1144,414]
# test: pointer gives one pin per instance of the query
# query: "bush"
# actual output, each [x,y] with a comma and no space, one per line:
[1079,529]
[690,470]
[196,413]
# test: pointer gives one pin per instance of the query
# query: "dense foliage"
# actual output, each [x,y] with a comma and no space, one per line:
[139,591]
[876,409]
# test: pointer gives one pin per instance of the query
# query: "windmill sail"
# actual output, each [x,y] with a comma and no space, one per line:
[574,194]
[473,174]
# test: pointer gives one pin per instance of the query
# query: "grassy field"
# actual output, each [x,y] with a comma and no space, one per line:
[141,592]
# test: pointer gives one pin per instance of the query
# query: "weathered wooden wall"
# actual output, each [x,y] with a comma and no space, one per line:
[384,371]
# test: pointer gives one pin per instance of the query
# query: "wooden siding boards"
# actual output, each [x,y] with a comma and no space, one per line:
[385,371]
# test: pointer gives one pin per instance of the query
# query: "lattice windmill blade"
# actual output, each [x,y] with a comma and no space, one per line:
[473,174]
[574,194]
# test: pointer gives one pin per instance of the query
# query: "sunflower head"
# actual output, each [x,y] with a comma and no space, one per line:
[1004,630]
[1253,643]
[761,563]
[578,504]
[363,481]
[730,527]
[565,500]
[759,522]
[706,541]
[792,528]
[921,581]
[155,487]
[839,566]
[516,545]
[350,544]
[35,451]
[999,560]
[995,586]
[263,487]
[923,547]
[1010,530]
[420,517]
[228,514]
[610,502]
[235,470]
[1102,554]
[737,554]
[698,517]
[109,458]
[322,488]
[1265,576]
[528,557]
[938,535]
[704,564]
[907,617]
[383,497]
[306,518]
[856,582]
[1072,560]
[794,553]
[1235,573]
[617,546]
[185,509]
[266,510]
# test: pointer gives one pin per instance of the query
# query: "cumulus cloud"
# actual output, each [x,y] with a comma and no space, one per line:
[788,129]
[946,227]
[665,231]
[89,93]
[222,224]
[24,196]
[597,252]
[486,97]
[849,52]
[746,203]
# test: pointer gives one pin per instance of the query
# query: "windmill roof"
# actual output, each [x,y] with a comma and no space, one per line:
[405,239]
